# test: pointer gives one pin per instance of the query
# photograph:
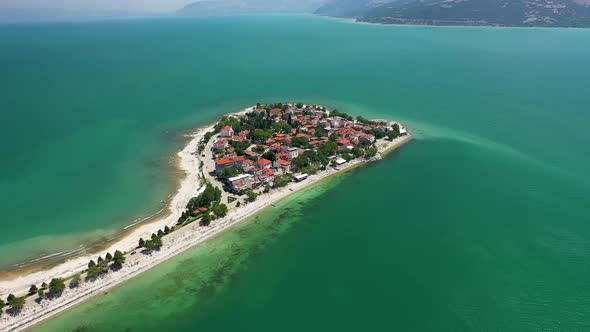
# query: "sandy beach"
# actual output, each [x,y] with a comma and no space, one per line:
[173,244]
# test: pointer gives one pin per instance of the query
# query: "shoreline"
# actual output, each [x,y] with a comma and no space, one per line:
[415,25]
[174,244]
[127,238]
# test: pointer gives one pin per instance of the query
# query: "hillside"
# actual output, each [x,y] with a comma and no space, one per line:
[541,13]
[228,7]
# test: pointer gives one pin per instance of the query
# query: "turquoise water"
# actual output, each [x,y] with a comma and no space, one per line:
[479,223]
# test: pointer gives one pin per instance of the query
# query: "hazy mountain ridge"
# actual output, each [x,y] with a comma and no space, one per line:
[347,8]
[227,7]
[545,13]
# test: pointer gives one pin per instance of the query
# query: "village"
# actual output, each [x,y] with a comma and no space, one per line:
[270,150]
[269,146]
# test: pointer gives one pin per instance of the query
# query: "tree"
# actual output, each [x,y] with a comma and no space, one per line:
[75,281]
[208,136]
[2,304]
[141,242]
[94,272]
[371,152]
[394,132]
[205,220]
[154,243]
[166,230]
[320,130]
[33,290]
[281,180]
[41,294]
[99,260]
[302,142]
[227,173]
[251,195]
[16,303]
[9,298]
[57,285]
[357,152]
[270,156]
[266,188]
[119,258]
[44,285]
[299,105]
[328,148]
[238,204]
[108,257]
[160,233]
[220,210]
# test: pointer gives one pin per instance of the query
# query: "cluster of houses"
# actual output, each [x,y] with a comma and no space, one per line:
[309,124]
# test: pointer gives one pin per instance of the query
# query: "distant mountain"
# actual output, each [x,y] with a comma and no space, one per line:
[347,8]
[228,7]
[542,13]
[57,14]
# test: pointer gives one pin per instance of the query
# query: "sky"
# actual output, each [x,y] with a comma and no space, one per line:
[123,5]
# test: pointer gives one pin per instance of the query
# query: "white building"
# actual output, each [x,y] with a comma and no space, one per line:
[301,177]
[226,131]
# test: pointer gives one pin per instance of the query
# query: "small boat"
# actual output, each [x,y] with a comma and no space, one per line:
[273,204]
[291,189]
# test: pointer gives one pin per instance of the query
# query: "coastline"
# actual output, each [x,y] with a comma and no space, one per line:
[355,20]
[175,243]
[126,240]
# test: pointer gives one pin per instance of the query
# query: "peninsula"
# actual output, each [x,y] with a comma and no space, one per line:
[245,162]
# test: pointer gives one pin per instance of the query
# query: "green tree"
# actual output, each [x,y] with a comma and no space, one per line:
[57,285]
[328,148]
[75,282]
[357,152]
[220,210]
[394,132]
[270,156]
[166,230]
[141,242]
[205,220]
[44,285]
[108,257]
[302,142]
[119,258]
[33,290]
[160,233]
[2,304]
[251,195]
[208,136]
[16,303]
[281,180]
[371,152]
[102,264]
[94,272]
[154,243]
[41,294]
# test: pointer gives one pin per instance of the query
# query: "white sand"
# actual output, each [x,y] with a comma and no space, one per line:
[173,244]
